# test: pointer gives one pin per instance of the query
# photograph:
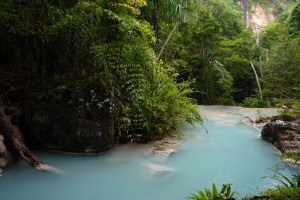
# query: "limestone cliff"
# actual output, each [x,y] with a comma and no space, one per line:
[263,12]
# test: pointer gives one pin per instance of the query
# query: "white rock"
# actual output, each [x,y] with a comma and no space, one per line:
[162,151]
[159,169]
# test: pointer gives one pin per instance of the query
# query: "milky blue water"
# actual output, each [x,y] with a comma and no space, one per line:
[229,153]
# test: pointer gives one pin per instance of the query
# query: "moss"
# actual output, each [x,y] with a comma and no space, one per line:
[292,155]
[283,193]
[3,162]
[160,148]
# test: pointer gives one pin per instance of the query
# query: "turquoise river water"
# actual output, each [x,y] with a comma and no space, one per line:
[231,152]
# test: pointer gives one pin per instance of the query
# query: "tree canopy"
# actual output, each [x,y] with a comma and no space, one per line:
[155,59]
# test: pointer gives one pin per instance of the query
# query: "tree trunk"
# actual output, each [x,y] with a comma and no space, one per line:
[155,18]
[166,42]
[257,79]
[13,135]
[261,67]
[246,13]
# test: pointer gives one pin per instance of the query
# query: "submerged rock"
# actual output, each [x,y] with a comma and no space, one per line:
[162,151]
[284,135]
[155,169]
[165,147]
[3,162]
[77,120]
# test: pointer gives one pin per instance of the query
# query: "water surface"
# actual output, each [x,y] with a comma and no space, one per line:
[230,152]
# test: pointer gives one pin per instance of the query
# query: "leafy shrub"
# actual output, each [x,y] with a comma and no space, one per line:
[255,103]
[289,188]
[166,103]
[291,109]
[147,101]
[283,193]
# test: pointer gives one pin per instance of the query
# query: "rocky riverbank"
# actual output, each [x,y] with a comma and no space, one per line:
[2,154]
[5,155]
[286,137]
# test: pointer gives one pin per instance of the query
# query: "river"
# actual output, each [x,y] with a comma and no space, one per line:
[231,152]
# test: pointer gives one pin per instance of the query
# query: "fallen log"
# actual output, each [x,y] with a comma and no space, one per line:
[13,135]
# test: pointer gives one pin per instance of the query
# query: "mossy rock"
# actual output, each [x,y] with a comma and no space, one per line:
[3,162]
[76,118]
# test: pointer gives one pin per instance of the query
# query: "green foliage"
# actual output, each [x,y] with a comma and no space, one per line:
[213,194]
[289,188]
[104,43]
[215,85]
[291,109]
[227,15]
[283,193]
[294,22]
[283,65]
[281,59]
[255,103]
[148,103]
[273,32]
[195,48]
[292,155]
[166,104]
[235,54]
[293,182]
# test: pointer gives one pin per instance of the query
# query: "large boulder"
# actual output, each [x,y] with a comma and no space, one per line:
[73,119]
[284,135]
[3,154]
[2,146]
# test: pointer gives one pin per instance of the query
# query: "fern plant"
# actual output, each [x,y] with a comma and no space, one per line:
[289,182]
[213,194]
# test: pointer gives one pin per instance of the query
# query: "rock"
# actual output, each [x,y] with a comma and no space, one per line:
[2,149]
[155,169]
[168,143]
[3,162]
[73,120]
[165,147]
[284,135]
[259,198]
[5,156]
[162,151]
[1,138]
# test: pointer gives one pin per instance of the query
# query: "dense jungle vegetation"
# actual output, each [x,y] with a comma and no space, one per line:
[155,59]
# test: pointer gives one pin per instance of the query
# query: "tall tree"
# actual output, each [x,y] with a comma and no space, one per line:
[245,5]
